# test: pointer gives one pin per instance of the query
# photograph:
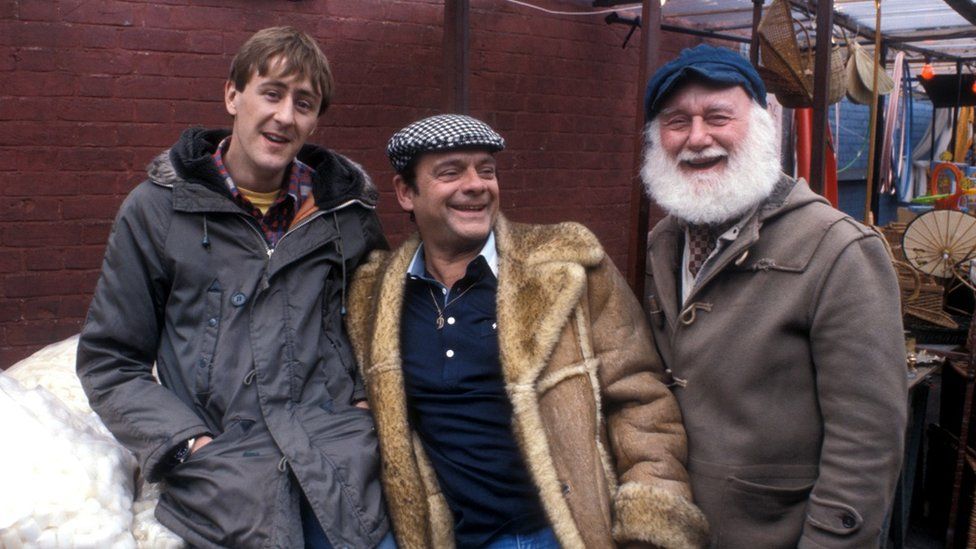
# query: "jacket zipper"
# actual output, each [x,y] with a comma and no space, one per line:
[265,282]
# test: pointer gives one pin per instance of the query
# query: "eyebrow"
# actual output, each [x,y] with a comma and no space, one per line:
[713,107]
[278,84]
[460,162]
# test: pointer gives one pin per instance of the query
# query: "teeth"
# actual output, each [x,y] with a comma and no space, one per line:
[274,138]
[703,161]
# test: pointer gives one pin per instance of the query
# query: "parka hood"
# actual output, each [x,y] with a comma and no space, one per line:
[788,194]
[337,181]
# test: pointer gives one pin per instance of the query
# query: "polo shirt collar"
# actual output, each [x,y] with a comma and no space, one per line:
[489,251]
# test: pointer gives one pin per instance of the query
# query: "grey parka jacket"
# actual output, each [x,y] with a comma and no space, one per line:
[249,346]
[789,366]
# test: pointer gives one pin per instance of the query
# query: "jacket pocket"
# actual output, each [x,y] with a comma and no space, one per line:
[224,491]
[208,343]
[766,513]
[347,451]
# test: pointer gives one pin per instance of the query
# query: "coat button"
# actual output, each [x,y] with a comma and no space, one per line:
[848,521]
[212,322]
[238,299]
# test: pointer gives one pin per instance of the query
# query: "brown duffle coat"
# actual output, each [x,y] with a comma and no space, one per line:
[789,366]
[600,434]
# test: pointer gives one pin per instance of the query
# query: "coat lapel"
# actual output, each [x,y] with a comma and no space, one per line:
[540,280]
[402,477]
[665,262]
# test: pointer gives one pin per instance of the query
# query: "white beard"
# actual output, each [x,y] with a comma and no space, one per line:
[751,173]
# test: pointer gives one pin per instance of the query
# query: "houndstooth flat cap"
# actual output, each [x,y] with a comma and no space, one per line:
[440,133]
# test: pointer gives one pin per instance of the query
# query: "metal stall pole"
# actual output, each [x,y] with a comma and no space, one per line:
[640,207]
[757,6]
[821,83]
[869,185]
[879,140]
[455,49]
[955,112]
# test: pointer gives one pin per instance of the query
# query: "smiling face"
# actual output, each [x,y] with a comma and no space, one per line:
[711,155]
[454,199]
[702,126]
[273,117]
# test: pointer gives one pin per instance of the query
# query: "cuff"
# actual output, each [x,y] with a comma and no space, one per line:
[652,515]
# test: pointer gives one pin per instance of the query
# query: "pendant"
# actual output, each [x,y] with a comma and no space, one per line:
[440,321]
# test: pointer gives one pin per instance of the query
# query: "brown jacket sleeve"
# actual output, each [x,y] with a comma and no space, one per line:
[646,436]
[862,392]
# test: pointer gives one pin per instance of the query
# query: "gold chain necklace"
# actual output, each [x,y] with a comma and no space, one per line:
[440,312]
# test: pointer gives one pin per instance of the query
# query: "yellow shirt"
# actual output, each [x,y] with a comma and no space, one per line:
[261,201]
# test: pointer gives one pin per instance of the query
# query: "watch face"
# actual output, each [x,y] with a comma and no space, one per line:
[181,454]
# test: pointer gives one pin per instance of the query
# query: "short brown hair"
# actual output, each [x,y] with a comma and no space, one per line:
[298,52]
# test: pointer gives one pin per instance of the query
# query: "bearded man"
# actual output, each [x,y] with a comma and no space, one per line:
[777,317]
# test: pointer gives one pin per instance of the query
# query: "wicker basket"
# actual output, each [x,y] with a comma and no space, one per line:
[786,68]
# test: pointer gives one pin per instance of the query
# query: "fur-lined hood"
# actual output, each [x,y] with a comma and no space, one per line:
[338,181]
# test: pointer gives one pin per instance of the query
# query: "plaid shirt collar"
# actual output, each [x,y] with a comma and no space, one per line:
[275,222]
[299,180]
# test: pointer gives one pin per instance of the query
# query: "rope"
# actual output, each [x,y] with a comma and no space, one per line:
[555,12]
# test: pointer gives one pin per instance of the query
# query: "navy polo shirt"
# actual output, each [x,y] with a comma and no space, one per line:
[458,406]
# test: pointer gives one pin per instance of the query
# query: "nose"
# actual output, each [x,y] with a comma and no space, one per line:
[472,182]
[699,137]
[285,112]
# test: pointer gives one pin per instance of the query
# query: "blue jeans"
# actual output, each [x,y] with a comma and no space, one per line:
[315,536]
[540,539]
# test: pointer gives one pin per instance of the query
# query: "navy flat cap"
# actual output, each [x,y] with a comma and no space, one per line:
[443,132]
[712,64]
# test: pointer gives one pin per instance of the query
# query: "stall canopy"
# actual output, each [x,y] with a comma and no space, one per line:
[941,31]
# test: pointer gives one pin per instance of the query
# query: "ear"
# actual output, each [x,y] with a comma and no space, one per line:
[404,193]
[230,97]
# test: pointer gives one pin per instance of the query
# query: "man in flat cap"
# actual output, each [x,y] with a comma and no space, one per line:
[516,392]
[777,317]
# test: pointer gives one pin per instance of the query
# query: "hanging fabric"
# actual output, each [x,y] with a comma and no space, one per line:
[920,156]
[964,134]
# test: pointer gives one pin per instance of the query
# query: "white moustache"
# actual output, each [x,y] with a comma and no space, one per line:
[711,153]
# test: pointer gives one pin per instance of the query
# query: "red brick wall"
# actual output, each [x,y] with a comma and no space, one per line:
[91,91]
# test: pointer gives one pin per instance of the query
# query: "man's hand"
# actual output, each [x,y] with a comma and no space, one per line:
[200,442]
[364,404]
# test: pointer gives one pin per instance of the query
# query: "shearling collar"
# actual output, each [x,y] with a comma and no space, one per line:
[541,275]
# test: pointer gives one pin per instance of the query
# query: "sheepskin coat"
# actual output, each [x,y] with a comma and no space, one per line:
[600,434]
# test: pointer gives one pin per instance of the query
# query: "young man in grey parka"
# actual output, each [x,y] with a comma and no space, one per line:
[227,268]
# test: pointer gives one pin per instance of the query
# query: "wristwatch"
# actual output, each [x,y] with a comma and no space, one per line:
[183,452]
